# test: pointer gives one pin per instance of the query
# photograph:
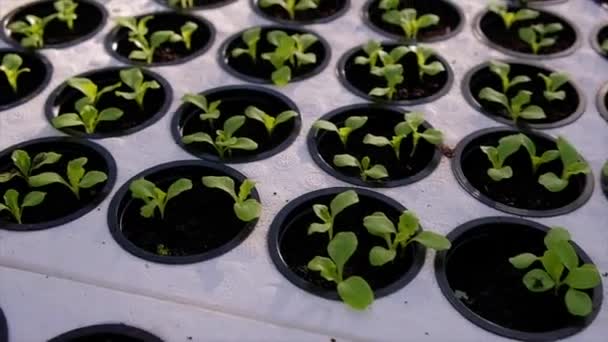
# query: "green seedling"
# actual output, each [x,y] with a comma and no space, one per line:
[225,141]
[546,157]
[407,231]
[559,257]
[354,290]
[251,38]
[517,106]
[163,250]
[181,3]
[77,177]
[289,49]
[424,68]
[187,30]
[372,49]
[66,12]
[511,17]
[291,6]
[498,155]
[503,70]
[572,164]
[328,216]
[25,166]
[137,29]
[351,124]
[154,197]
[535,35]
[391,58]
[210,110]
[270,122]
[407,19]
[365,168]
[245,207]
[11,67]
[88,116]
[393,74]
[90,90]
[32,29]
[11,202]
[134,79]
[552,83]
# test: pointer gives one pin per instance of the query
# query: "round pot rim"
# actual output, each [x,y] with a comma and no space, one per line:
[275,230]
[126,244]
[195,8]
[177,137]
[481,36]
[222,54]
[601,101]
[3,327]
[50,103]
[604,181]
[400,38]
[45,81]
[111,37]
[329,169]
[473,192]
[102,10]
[595,32]
[440,275]
[339,13]
[100,197]
[112,328]
[472,101]
[341,73]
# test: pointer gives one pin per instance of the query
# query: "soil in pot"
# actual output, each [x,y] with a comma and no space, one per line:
[91,18]
[29,84]
[324,145]
[106,333]
[604,179]
[198,4]
[235,99]
[450,21]
[326,10]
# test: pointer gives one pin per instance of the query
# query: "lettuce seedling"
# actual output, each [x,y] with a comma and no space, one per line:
[393,74]
[354,290]
[11,67]
[11,202]
[572,164]
[511,17]
[546,157]
[91,92]
[78,177]
[516,107]
[503,70]
[290,49]
[270,122]
[408,230]
[251,38]
[560,256]
[181,3]
[33,30]
[163,250]
[291,6]
[88,116]
[365,168]
[535,35]
[224,141]
[372,49]
[66,12]
[245,208]
[187,30]
[25,166]
[422,55]
[134,79]
[342,201]
[408,20]
[390,58]
[351,124]
[210,110]
[552,83]
[507,146]
[154,197]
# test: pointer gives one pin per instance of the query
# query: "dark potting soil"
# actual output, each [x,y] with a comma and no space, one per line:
[522,190]
[449,16]
[325,9]
[105,337]
[297,247]
[59,201]
[27,82]
[90,18]
[494,29]
[478,265]
[555,110]
[412,88]
[602,36]
[263,69]
[234,102]
[381,122]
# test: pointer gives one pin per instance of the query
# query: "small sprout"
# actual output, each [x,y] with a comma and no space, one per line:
[502,70]
[572,163]
[66,12]
[351,124]
[516,107]
[24,166]
[163,250]
[394,76]
[546,157]
[365,168]
[11,67]
[91,92]
[181,3]
[137,29]
[78,177]
[154,197]
[552,83]
[134,79]
[187,30]
[290,49]
[391,58]
[535,35]
[408,20]
[210,110]
[560,256]
[372,49]
[354,291]
[33,30]
[11,202]
[245,208]
[408,230]
[431,69]
[291,6]
[511,17]
[270,122]
[251,38]
[88,116]
[328,215]
[507,146]
[224,141]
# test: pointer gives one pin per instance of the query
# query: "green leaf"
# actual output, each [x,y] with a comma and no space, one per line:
[379,256]
[285,116]
[247,210]
[523,260]
[568,153]
[33,199]
[110,114]
[92,178]
[245,189]
[378,224]
[583,278]
[533,113]
[305,4]
[427,20]
[322,212]
[325,266]
[578,302]
[11,199]
[45,158]
[355,122]
[356,293]
[132,77]
[341,248]
[371,139]
[85,86]
[433,240]
[160,37]
[556,235]
[12,62]
[566,254]
[552,264]
[179,186]
[281,76]
[538,280]
[223,183]
[45,178]
[325,125]
[197,137]
[433,136]
[244,144]
[526,14]
[377,172]
[22,161]
[492,95]
[342,201]
[497,175]
[233,124]
[344,160]
[408,225]
[319,228]
[142,189]
[528,35]
[552,183]
[75,170]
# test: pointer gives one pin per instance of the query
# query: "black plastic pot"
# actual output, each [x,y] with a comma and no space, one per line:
[326,12]
[199,224]
[156,103]
[29,84]
[324,145]
[598,35]
[543,2]
[3,327]
[559,112]
[199,4]
[245,69]
[107,332]
[491,293]
[445,9]
[60,205]
[358,79]
[602,101]
[117,41]
[91,18]
[291,248]
[235,99]
[486,24]
[604,179]
[520,195]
